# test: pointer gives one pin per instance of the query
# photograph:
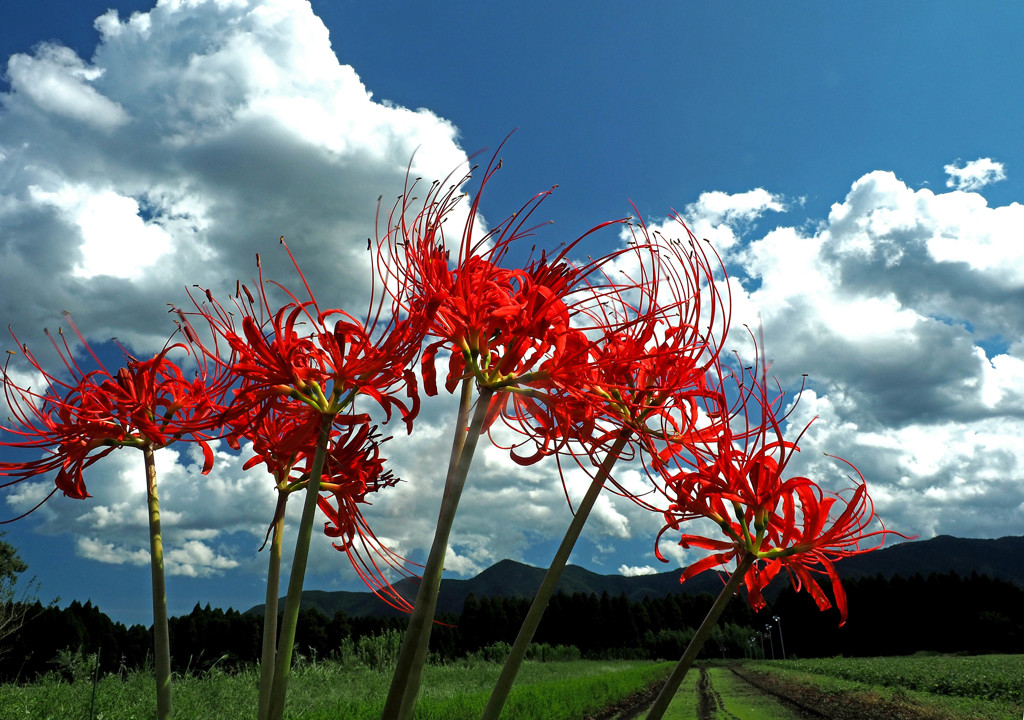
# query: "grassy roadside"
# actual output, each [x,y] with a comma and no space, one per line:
[838,697]
[326,690]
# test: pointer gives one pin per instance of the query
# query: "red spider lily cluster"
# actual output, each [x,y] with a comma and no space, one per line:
[579,359]
[622,351]
[299,369]
[507,329]
[607,359]
[77,421]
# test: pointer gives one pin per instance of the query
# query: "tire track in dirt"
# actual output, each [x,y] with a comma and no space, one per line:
[710,705]
[631,707]
[787,699]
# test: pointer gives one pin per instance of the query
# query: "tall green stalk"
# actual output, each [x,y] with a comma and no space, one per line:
[268,658]
[547,587]
[671,686]
[161,634]
[290,618]
[405,684]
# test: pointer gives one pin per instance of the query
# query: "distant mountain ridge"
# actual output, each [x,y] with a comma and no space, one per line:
[1002,559]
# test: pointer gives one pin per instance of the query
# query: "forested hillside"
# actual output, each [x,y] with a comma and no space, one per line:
[888,616]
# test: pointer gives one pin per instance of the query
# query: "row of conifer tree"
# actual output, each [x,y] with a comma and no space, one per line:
[939,613]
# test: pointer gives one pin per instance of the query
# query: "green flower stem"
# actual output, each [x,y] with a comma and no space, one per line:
[161,635]
[405,684]
[268,659]
[462,420]
[547,587]
[290,618]
[703,632]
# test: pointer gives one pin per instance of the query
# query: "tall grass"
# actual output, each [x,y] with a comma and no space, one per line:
[328,690]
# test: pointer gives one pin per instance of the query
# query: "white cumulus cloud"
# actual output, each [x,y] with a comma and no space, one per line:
[975,174]
[108,552]
[635,570]
[59,83]
[235,124]
[902,308]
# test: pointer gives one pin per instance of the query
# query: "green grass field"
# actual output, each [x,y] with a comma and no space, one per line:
[943,688]
[545,691]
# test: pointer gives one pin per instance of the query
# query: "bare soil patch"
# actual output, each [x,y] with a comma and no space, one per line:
[814,704]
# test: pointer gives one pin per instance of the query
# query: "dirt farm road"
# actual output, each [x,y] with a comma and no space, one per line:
[798,701]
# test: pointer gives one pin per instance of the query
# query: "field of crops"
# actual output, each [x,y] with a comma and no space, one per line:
[985,677]
[546,691]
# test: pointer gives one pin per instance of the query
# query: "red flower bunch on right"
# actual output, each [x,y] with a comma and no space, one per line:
[738,481]
[632,374]
[662,334]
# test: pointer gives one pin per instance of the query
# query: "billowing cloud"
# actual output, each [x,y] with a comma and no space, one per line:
[193,559]
[59,83]
[722,218]
[111,231]
[196,559]
[105,552]
[200,132]
[195,136]
[111,526]
[903,307]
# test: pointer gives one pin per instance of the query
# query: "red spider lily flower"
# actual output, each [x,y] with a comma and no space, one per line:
[354,470]
[322,358]
[284,440]
[300,371]
[653,361]
[640,368]
[281,436]
[738,481]
[78,421]
[499,324]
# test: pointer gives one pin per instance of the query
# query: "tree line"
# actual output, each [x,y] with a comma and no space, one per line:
[944,613]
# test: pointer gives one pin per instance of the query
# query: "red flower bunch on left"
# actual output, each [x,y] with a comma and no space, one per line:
[320,359]
[300,371]
[352,470]
[77,421]
[504,327]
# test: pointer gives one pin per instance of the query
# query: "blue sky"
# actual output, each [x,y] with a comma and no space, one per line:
[858,166]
